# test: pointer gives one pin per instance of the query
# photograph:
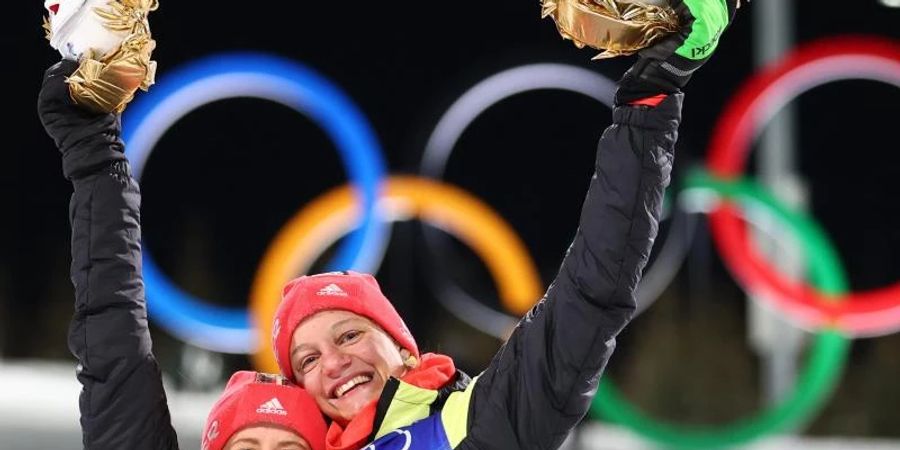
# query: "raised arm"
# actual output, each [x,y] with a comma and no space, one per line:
[122,403]
[541,383]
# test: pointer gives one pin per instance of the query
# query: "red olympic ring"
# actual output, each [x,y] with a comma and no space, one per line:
[869,313]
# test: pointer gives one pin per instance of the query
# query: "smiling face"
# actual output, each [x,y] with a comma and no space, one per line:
[343,360]
[266,438]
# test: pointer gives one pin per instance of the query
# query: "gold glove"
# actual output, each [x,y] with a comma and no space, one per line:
[618,27]
[107,82]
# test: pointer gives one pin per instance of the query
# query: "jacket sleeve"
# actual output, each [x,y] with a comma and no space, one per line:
[541,383]
[122,403]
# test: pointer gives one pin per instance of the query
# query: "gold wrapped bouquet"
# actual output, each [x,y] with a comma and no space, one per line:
[106,80]
[617,27]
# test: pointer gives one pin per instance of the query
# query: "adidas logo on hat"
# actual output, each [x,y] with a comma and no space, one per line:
[332,290]
[272,407]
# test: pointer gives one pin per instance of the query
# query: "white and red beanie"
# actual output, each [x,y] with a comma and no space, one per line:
[254,399]
[355,292]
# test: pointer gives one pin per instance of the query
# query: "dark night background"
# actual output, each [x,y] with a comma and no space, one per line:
[225,179]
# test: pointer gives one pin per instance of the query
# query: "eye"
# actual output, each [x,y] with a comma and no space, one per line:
[308,363]
[350,337]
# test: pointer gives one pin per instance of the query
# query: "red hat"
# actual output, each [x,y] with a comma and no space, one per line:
[349,291]
[253,398]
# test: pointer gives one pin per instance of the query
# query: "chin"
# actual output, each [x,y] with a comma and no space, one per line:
[360,404]
[347,412]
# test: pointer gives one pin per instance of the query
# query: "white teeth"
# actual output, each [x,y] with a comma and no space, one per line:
[357,380]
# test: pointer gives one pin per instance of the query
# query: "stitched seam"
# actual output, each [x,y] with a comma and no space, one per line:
[676,71]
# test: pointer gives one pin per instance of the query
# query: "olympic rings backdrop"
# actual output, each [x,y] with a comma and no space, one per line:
[825,308]
[824,305]
[264,77]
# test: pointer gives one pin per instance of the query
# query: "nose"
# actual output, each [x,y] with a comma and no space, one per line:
[334,363]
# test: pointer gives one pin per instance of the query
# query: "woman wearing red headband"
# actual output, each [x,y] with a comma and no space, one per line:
[338,336]
[123,404]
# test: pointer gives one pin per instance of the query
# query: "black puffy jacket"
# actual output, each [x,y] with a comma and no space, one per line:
[536,389]
[122,403]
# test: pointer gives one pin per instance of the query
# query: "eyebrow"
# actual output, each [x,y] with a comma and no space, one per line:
[334,326]
[246,440]
[298,348]
[338,324]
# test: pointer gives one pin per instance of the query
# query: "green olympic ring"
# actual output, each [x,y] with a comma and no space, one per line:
[823,367]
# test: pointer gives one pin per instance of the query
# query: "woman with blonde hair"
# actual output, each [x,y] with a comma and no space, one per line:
[337,335]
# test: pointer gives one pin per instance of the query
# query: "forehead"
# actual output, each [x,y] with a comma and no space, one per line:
[265,434]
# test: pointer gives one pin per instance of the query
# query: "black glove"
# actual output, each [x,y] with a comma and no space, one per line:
[87,140]
[665,67]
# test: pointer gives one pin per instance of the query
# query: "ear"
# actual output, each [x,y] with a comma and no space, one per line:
[409,360]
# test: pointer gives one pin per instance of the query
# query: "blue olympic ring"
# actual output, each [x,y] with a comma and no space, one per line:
[270,78]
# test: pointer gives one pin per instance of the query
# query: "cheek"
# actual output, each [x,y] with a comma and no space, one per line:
[311,383]
[387,358]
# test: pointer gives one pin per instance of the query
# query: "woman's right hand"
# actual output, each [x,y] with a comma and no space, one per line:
[667,66]
[87,140]
[54,99]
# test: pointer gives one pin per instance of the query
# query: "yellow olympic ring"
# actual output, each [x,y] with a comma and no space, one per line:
[322,222]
